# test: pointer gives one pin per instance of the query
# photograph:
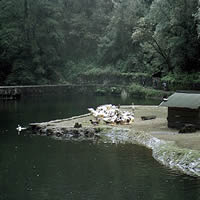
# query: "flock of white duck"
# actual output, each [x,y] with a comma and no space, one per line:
[111,114]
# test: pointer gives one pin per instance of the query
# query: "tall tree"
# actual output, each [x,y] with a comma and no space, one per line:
[116,42]
[168,33]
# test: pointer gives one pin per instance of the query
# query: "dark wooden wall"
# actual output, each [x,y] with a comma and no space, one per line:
[178,117]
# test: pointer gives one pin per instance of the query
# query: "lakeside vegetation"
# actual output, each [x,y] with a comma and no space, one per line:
[132,90]
[61,41]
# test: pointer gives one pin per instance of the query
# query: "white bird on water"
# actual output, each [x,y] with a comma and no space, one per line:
[19,128]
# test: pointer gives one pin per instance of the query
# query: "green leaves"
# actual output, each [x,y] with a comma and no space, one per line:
[167,30]
[39,38]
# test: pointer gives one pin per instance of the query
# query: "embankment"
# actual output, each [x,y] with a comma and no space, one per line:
[14,92]
[169,154]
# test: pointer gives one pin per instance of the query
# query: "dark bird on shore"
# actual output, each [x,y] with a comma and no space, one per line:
[94,122]
[77,125]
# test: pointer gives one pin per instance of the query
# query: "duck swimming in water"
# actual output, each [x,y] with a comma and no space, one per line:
[19,128]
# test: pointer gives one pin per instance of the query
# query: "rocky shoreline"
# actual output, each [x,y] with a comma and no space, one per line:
[167,152]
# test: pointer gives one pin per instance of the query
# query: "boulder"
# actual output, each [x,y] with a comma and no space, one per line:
[188,128]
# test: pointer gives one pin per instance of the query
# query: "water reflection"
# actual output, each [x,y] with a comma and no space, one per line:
[66,170]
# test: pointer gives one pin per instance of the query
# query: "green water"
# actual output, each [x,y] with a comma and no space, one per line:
[41,168]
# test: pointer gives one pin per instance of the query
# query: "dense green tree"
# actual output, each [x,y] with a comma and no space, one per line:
[11,39]
[197,17]
[85,25]
[50,41]
[116,45]
[33,39]
[168,34]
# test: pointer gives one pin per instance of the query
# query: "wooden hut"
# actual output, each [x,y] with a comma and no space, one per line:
[183,109]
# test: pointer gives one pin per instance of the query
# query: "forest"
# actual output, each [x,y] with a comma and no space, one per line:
[54,41]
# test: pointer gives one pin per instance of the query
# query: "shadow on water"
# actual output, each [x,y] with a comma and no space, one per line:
[33,167]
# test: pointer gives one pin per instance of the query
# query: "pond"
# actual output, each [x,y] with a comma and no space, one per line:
[34,167]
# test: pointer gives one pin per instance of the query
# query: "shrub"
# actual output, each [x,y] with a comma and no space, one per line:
[100,92]
[140,91]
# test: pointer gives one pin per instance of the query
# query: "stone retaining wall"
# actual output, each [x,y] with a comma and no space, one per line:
[14,92]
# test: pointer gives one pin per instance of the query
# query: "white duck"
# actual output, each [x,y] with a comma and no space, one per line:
[19,128]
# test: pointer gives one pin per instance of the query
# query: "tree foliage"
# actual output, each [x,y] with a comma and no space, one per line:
[168,34]
[45,42]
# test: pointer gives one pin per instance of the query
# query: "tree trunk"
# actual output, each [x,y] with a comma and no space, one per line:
[26,25]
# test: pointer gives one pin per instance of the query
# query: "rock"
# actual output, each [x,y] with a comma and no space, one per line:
[42,131]
[89,133]
[49,132]
[76,133]
[188,128]
[148,117]
[58,134]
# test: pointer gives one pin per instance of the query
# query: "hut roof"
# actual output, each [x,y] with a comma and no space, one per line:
[183,100]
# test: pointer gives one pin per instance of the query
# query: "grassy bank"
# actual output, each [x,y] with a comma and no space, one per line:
[131,90]
[146,92]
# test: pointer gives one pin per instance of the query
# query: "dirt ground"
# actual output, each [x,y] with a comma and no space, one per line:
[156,127]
